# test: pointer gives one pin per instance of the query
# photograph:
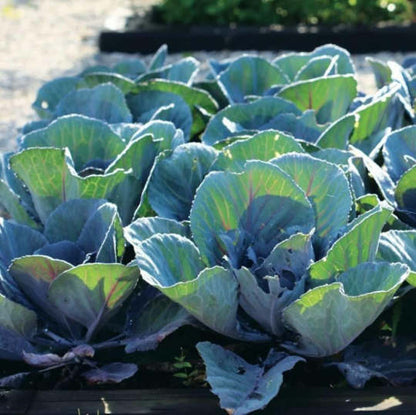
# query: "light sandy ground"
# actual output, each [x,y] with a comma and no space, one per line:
[40,40]
[44,39]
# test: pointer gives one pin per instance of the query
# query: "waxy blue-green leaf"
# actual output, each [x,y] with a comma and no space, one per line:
[96,68]
[317,67]
[183,71]
[399,246]
[405,97]
[291,63]
[51,179]
[200,103]
[372,119]
[51,93]
[288,260]
[34,125]
[18,240]
[345,64]
[34,274]
[333,155]
[150,105]
[358,244]
[166,259]
[158,59]
[64,250]
[250,75]
[263,146]
[382,72]
[138,158]
[241,119]
[172,264]
[304,127]
[163,132]
[90,294]
[399,151]
[151,318]
[369,201]
[243,387]
[18,325]
[328,318]
[11,203]
[15,185]
[213,88]
[126,85]
[102,235]
[329,96]
[105,102]
[192,96]
[337,135]
[87,139]
[131,67]
[378,174]
[326,187]
[282,278]
[92,225]
[144,228]
[266,307]
[405,195]
[175,178]
[68,219]
[245,214]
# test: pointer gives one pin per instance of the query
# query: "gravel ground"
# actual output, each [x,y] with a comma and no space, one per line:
[44,39]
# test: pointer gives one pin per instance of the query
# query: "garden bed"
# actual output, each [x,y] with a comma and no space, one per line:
[180,39]
[313,401]
[247,226]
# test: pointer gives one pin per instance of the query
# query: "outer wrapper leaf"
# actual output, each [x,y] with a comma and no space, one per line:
[105,102]
[399,246]
[175,178]
[359,244]
[399,151]
[263,146]
[34,274]
[87,139]
[172,264]
[17,326]
[250,75]
[328,318]
[330,96]
[92,293]
[51,179]
[242,387]
[242,119]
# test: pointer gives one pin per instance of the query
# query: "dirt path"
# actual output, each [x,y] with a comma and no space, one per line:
[40,40]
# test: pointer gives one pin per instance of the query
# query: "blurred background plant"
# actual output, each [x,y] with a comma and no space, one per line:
[284,12]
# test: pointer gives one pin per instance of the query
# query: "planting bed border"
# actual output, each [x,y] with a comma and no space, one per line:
[313,401]
[179,39]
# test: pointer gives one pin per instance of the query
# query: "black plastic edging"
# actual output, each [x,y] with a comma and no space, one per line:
[361,40]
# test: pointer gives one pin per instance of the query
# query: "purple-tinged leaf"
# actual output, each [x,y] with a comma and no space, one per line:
[111,373]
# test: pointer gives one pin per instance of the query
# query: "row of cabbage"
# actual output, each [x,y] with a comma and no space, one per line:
[270,202]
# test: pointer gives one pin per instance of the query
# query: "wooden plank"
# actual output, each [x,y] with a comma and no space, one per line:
[321,401]
[15,402]
[135,402]
[305,401]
